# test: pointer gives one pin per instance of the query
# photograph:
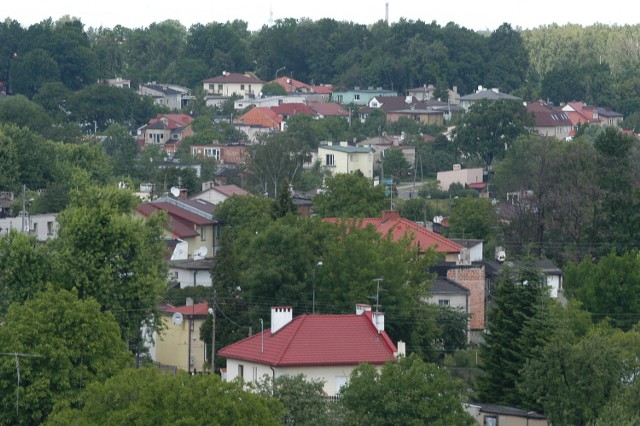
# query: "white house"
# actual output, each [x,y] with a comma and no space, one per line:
[218,194]
[228,84]
[321,347]
[42,226]
[459,175]
[345,158]
[190,272]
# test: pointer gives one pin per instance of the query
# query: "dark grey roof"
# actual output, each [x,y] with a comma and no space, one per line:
[508,411]
[493,268]
[467,242]
[490,95]
[446,286]
[164,89]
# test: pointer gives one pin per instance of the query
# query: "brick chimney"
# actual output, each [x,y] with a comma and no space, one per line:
[390,215]
[280,316]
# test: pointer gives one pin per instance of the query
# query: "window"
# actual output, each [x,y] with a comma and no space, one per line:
[255,373]
[242,87]
[241,371]
[203,233]
[491,421]
[443,302]
[330,160]
[356,97]
[339,98]
[49,228]
[35,229]
[341,381]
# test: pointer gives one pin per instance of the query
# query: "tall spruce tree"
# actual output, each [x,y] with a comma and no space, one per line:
[510,334]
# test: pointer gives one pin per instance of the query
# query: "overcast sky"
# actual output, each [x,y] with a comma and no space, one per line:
[473,14]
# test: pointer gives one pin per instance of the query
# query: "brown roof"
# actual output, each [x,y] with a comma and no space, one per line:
[233,78]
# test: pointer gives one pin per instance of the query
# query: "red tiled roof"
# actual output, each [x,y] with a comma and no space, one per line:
[291,85]
[317,340]
[233,78]
[548,116]
[181,221]
[261,116]
[328,109]
[195,309]
[230,190]
[292,109]
[392,224]
[325,89]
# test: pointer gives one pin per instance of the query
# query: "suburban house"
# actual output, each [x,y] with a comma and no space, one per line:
[550,122]
[424,116]
[345,158]
[398,228]
[608,117]
[269,101]
[287,110]
[425,93]
[262,117]
[42,226]
[551,273]
[382,143]
[187,223]
[170,95]
[580,113]
[321,347]
[445,292]
[246,85]
[293,86]
[185,273]
[165,130]
[216,194]
[224,154]
[465,177]
[498,415]
[485,94]
[328,109]
[359,96]
[179,345]
[119,82]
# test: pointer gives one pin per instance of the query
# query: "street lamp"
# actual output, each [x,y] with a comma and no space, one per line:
[278,70]
[313,302]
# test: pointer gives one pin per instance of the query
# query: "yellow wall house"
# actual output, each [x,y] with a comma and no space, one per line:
[344,158]
[179,344]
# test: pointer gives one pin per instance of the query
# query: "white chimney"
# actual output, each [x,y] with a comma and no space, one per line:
[378,320]
[361,308]
[189,301]
[402,348]
[280,316]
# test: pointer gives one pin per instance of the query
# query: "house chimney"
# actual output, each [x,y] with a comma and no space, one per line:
[362,308]
[189,301]
[280,316]
[378,320]
[402,349]
[390,215]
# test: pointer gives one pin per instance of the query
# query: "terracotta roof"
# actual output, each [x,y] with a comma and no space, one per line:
[548,116]
[261,116]
[233,78]
[195,309]
[392,224]
[291,85]
[230,190]
[314,340]
[292,109]
[181,221]
[325,89]
[328,109]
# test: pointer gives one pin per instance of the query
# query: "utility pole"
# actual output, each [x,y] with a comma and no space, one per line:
[17,355]
[212,311]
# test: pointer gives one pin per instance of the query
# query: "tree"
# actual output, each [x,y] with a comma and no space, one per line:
[24,113]
[122,148]
[489,128]
[350,195]
[273,89]
[395,163]
[31,71]
[473,218]
[283,205]
[607,288]
[408,392]
[303,400]
[510,60]
[506,347]
[109,255]
[145,396]
[70,344]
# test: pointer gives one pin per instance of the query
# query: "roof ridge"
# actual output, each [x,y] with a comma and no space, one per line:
[300,320]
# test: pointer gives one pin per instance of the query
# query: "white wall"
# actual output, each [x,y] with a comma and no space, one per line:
[41,226]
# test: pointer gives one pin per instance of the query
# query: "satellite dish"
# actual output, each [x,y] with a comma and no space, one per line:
[175,191]
[501,256]
[201,253]
[177,318]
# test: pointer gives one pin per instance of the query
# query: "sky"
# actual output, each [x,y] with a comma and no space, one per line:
[473,14]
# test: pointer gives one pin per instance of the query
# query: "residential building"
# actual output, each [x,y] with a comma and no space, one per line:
[359,96]
[445,292]
[426,92]
[190,273]
[262,117]
[464,177]
[345,158]
[292,86]
[179,345]
[216,194]
[499,415]
[269,101]
[235,154]
[580,113]
[119,82]
[187,222]
[42,226]
[246,85]
[170,95]
[328,109]
[287,110]
[485,94]
[424,116]
[550,122]
[166,131]
[321,347]
[552,275]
